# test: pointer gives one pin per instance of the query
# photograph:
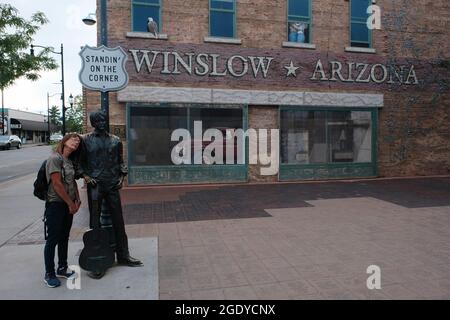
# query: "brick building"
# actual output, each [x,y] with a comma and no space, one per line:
[348,101]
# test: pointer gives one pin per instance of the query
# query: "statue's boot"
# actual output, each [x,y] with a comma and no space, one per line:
[96,275]
[129,261]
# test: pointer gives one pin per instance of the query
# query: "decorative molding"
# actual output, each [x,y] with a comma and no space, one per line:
[343,99]
[299,45]
[360,50]
[147,35]
[222,40]
[257,97]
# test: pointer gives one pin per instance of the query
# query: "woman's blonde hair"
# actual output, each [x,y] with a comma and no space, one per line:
[60,147]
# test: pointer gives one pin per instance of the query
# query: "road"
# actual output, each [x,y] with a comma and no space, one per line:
[17,163]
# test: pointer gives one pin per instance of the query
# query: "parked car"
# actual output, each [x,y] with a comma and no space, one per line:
[8,142]
[56,138]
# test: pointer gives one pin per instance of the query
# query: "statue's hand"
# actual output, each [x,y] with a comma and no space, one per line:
[120,182]
[90,180]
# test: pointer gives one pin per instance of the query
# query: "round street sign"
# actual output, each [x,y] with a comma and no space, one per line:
[103,68]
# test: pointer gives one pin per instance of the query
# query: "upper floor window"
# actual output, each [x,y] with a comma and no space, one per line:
[222,18]
[299,21]
[142,10]
[360,35]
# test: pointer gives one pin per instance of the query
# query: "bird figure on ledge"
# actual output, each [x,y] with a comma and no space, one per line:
[152,27]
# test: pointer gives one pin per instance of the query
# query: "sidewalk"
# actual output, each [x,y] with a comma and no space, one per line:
[28,145]
[22,247]
[288,241]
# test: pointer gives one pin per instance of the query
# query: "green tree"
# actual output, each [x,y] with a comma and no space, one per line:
[55,115]
[16,36]
[74,116]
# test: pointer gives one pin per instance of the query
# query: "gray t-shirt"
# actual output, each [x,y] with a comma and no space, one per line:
[55,163]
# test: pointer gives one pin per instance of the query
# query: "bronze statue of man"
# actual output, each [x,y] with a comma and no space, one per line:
[102,167]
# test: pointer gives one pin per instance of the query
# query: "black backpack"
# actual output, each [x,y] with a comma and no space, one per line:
[40,184]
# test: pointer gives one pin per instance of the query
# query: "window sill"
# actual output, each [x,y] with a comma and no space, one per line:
[147,35]
[300,45]
[360,50]
[222,40]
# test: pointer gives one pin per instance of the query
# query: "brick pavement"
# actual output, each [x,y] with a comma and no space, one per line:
[294,241]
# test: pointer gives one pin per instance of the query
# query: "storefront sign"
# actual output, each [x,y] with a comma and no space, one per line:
[103,68]
[172,63]
[16,126]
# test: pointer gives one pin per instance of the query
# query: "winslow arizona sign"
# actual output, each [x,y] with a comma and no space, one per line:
[173,63]
[103,68]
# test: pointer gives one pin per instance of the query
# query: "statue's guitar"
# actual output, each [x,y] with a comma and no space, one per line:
[97,255]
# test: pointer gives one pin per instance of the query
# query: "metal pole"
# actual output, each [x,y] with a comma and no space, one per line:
[104,41]
[62,93]
[105,216]
[48,116]
[3,114]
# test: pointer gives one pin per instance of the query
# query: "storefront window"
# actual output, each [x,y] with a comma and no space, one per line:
[150,131]
[149,134]
[314,137]
[222,119]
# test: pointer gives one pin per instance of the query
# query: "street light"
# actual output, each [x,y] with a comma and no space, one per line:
[62,80]
[103,41]
[90,19]
[71,100]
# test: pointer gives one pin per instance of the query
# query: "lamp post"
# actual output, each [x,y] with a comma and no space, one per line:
[71,100]
[62,81]
[3,114]
[105,217]
[103,41]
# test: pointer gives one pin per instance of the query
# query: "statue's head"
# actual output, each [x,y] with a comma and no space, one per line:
[98,120]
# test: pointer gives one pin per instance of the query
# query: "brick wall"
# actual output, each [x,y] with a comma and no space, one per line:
[413,128]
[262,117]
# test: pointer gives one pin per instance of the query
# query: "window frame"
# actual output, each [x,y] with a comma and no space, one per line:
[358,21]
[305,19]
[163,174]
[222,10]
[296,172]
[137,2]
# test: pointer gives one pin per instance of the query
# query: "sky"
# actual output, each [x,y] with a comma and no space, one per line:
[65,27]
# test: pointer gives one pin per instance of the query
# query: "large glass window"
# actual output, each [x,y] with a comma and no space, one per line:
[309,137]
[222,15]
[222,119]
[360,35]
[142,10]
[150,131]
[299,21]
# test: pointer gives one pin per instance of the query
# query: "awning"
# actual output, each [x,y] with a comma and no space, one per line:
[29,125]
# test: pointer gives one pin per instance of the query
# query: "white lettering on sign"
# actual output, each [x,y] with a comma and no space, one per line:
[103,68]
[201,64]
[238,66]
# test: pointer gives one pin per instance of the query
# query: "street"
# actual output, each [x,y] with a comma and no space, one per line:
[16,163]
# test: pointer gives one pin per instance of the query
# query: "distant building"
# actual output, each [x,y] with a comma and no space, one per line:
[30,127]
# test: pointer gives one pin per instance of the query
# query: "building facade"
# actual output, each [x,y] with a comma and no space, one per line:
[30,127]
[348,101]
